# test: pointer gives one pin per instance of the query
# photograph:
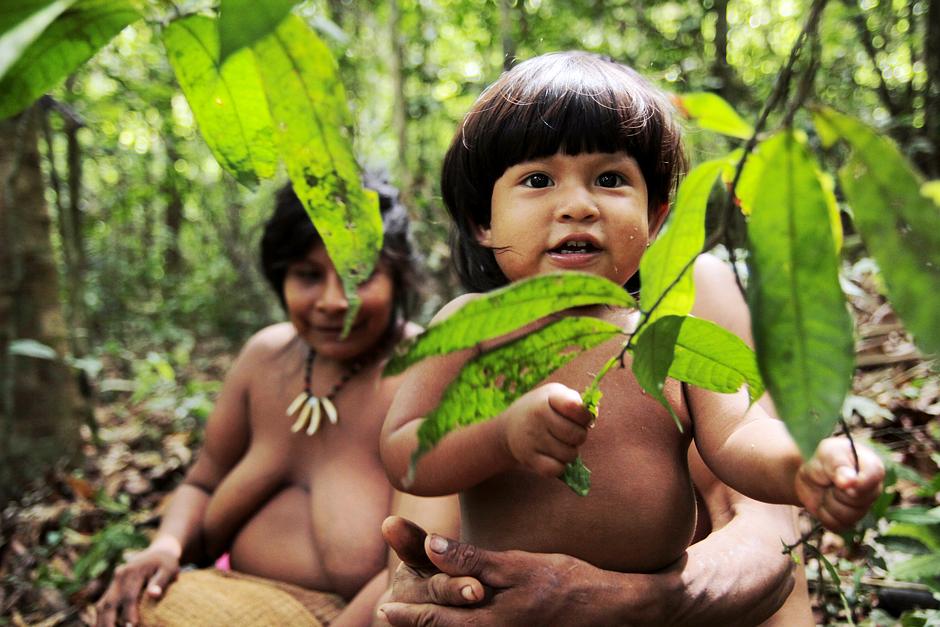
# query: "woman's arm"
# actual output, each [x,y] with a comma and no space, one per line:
[736,576]
[179,537]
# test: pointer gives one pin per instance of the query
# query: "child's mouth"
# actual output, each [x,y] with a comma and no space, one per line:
[575,247]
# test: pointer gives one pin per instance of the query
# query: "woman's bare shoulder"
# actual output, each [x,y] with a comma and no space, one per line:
[270,341]
[453,307]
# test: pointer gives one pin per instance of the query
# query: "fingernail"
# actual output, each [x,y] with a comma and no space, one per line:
[438,544]
[844,473]
[154,590]
[467,593]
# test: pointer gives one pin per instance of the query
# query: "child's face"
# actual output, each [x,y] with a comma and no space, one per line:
[316,305]
[586,212]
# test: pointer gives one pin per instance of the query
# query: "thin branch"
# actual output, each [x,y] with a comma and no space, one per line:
[781,88]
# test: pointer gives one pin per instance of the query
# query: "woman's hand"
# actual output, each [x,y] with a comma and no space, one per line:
[545,427]
[830,488]
[155,568]
[521,587]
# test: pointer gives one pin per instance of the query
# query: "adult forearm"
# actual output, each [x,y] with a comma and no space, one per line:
[738,575]
[181,526]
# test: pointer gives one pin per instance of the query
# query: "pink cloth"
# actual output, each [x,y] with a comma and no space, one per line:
[223,562]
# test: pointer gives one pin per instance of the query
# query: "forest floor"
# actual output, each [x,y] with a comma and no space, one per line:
[60,543]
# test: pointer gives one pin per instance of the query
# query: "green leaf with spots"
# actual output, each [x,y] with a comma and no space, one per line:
[312,129]
[802,329]
[66,43]
[666,268]
[489,383]
[900,227]
[507,309]
[712,112]
[227,100]
[21,23]
[243,22]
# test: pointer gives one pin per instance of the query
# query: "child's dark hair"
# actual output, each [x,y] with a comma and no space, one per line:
[573,102]
[289,235]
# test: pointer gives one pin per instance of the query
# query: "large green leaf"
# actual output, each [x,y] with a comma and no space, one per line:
[22,23]
[711,357]
[73,38]
[508,308]
[801,327]
[698,352]
[713,112]
[652,356]
[312,126]
[227,100]
[243,22]
[748,188]
[900,227]
[488,384]
[672,253]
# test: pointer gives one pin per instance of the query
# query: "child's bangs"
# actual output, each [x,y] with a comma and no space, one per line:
[574,118]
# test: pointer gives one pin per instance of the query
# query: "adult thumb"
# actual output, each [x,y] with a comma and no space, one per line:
[460,559]
[158,583]
[407,540]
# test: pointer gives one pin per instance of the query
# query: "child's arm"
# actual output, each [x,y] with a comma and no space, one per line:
[756,456]
[541,430]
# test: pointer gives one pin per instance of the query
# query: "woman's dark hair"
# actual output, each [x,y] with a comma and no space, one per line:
[289,235]
[573,102]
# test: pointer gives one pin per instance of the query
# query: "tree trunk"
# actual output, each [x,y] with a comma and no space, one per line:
[173,218]
[932,95]
[39,424]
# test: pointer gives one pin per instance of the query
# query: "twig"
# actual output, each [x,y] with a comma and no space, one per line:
[848,434]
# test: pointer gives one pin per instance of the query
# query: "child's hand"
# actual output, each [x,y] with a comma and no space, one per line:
[831,490]
[545,427]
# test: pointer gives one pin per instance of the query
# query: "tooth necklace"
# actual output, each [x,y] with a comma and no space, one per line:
[313,407]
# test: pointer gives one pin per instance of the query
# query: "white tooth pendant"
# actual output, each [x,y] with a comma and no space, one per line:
[330,409]
[304,415]
[314,405]
[301,419]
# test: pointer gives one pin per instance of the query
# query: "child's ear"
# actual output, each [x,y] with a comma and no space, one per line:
[484,236]
[658,217]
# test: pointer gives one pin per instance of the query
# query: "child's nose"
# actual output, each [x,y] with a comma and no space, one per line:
[332,299]
[577,206]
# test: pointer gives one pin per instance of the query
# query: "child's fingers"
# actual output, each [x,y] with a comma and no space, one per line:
[567,402]
[567,431]
[559,451]
[837,514]
[546,465]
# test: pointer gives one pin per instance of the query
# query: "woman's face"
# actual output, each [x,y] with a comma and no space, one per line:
[316,306]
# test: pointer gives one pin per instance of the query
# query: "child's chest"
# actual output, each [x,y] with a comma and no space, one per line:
[640,513]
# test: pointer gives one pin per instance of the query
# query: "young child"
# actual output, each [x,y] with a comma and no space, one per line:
[567,162]
[289,482]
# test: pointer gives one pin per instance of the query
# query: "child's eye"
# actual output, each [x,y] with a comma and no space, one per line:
[611,179]
[309,275]
[537,180]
